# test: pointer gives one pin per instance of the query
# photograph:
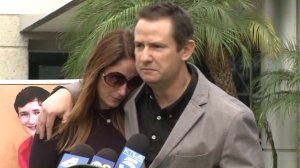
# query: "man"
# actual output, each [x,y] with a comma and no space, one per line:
[28,106]
[190,121]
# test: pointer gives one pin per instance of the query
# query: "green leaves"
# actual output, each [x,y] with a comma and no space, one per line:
[94,19]
[278,91]
[231,26]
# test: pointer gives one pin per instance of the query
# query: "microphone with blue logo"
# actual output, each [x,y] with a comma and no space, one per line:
[105,158]
[79,155]
[133,154]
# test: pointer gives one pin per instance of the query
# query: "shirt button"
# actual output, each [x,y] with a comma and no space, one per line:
[170,116]
[158,118]
[153,137]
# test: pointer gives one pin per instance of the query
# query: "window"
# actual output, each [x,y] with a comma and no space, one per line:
[46,65]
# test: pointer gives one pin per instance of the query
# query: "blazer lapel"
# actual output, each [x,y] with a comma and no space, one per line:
[131,118]
[188,118]
[190,115]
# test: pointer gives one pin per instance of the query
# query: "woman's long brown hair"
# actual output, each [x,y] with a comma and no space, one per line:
[113,47]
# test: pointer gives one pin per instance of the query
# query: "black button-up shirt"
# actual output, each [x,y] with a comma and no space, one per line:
[157,123]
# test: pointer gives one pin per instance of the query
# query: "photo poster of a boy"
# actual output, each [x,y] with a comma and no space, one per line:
[20,103]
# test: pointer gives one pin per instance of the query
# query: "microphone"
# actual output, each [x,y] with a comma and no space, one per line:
[83,166]
[133,153]
[105,158]
[79,155]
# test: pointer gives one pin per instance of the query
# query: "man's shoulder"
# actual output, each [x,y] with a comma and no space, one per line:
[222,102]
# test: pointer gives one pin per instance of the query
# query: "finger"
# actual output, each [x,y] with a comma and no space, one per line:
[41,124]
[65,117]
[49,125]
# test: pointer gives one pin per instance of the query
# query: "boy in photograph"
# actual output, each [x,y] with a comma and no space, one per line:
[28,104]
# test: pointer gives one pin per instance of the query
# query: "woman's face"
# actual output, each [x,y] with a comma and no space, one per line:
[28,115]
[116,81]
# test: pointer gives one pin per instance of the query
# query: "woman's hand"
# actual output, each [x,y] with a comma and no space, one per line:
[59,104]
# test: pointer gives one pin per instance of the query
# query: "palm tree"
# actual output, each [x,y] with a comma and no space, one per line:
[231,28]
[223,29]
[278,91]
[92,22]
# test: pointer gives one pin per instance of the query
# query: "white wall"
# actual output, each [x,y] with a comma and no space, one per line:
[13,49]
[30,6]
[284,17]
[13,44]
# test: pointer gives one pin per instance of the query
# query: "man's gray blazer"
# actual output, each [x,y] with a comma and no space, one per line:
[214,130]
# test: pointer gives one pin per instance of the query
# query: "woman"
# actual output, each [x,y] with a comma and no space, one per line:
[108,78]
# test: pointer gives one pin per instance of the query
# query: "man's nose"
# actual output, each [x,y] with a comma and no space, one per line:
[146,55]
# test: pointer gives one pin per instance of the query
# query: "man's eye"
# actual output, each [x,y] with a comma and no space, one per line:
[158,46]
[23,114]
[138,45]
[36,112]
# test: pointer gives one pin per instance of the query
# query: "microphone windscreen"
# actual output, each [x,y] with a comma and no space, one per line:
[139,143]
[79,155]
[83,166]
[108,154]
[84,150]
[133,154]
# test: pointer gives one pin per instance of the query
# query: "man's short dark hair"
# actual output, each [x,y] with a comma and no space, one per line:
[28,94]
[181,22]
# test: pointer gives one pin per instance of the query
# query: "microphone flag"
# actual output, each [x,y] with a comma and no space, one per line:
[130,159]
[71,160]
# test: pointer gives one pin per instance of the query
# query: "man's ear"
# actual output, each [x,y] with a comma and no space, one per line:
[188,50]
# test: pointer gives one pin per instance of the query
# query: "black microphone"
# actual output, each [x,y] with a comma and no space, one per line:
[105,158]
[79,155]
[83,166]
[133,154]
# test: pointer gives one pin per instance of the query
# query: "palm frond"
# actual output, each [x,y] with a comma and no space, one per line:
[92,22]
[278,92]
[220,24]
